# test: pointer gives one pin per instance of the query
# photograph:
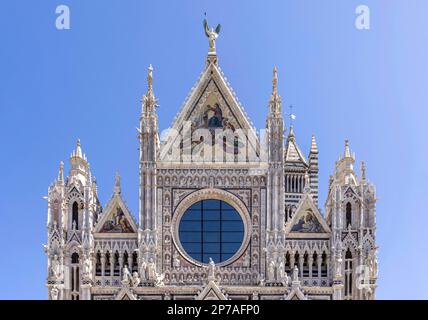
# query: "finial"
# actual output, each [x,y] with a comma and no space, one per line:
[291,134]
[117,184]
[78,149]
[314,147]
[150,77]
[347,152]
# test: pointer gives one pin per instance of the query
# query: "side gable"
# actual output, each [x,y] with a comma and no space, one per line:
[116,218]
[307,221]
[292,151]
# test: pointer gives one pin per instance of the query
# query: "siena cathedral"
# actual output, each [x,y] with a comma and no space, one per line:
[225,213]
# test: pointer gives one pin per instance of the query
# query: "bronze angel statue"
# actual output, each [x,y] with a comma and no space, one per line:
[212,35]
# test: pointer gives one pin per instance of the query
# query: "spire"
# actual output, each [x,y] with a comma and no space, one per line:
[78,152]
[78,161]
[347,153]
[275,98]
[61,172]
[117,184]
[291,135]
[149,100]
[314,147]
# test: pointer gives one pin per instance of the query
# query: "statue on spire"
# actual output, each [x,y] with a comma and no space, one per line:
[212,36]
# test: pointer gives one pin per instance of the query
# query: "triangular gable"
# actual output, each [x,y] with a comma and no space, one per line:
[292,151]
[116,218]
[211,105]
[307,219]
[296,294]
[125,294]
[211,292]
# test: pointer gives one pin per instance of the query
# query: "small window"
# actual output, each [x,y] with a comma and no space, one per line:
[348,214]
[75,258]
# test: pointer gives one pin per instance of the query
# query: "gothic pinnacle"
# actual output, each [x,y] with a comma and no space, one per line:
[275,81]
[61,171]
[78,149]
[150,77]
[275,99]
[363,171]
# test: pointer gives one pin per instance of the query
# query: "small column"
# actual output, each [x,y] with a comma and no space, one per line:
[120,263]
[310,261]
[301,265]
[103,263]
[292,260]
[319,262]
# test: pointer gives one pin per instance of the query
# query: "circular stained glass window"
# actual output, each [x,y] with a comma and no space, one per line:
[211,229]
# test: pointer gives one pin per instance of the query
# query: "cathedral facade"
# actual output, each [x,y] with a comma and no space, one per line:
[224,212]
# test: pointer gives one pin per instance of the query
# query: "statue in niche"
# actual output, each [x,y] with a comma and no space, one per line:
[246,260]
[143,269]
[126,278]
[176,260]
[151,270]
[87,270]
[56,269]
[271,271]
[295,274]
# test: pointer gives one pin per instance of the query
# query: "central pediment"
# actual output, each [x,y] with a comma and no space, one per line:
[211,122]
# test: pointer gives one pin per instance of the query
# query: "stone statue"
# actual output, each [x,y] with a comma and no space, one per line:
[87,268]
[135,279]
[261,279]
[143,269]
[211,270]
[212,35]
[159,279]
[54,293]
[56,268]
[295,274]
[126,277]
[151,270]
[176,260]
[372,262]
[246,260]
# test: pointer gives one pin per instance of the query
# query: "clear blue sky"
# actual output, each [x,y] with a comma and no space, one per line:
[87,82]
